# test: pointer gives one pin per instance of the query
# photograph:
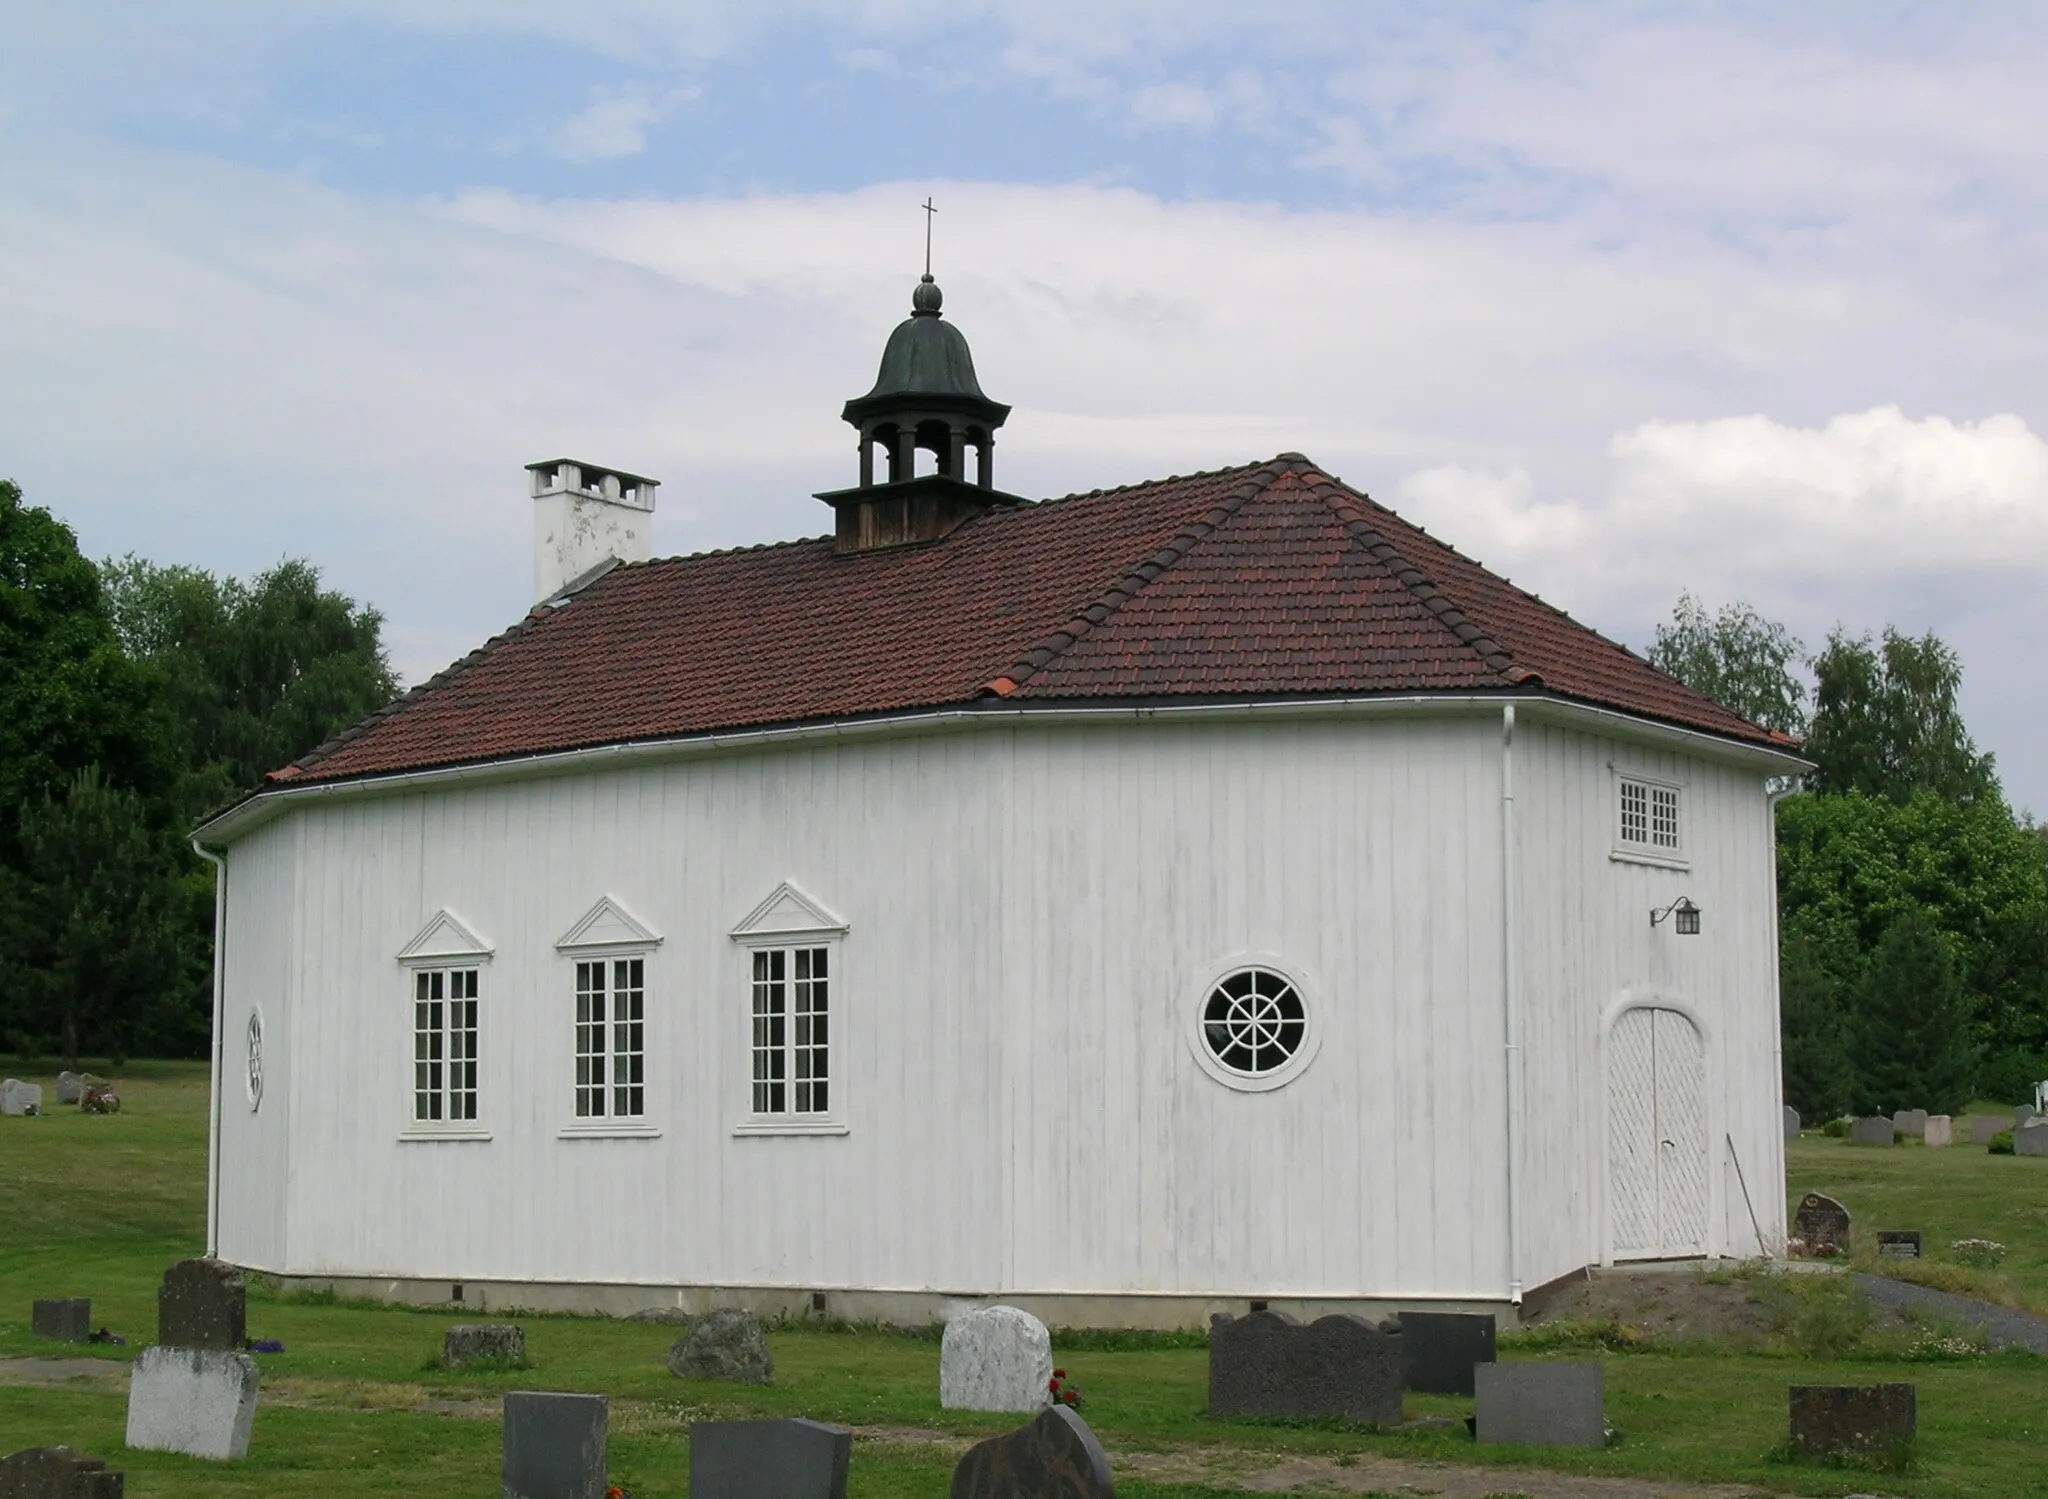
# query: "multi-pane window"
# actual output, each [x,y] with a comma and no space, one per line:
[1649,816]
[611,1051]
[791,1048]
[444,1045]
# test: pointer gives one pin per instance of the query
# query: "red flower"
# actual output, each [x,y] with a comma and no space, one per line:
[1059,1374]
[1053,1384]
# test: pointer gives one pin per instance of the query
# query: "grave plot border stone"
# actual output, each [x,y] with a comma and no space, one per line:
[553,1445]
[1871,1132]
[198,1401]
[995,1358]
[63,1320]
[1268,1364]
[1540,1405]
[1827,1420]
[1056,1456]
[786,1459]
[1441,1349]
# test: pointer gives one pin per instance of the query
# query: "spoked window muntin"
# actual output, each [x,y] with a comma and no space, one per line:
[1254,1025]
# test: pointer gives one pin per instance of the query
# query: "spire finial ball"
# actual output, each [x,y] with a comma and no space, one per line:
[925,301]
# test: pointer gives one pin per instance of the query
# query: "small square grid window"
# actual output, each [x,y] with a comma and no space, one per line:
[1663,818]
[611,1005]
[1635,812]
[1649,817]
[791,1036]
[444,1045]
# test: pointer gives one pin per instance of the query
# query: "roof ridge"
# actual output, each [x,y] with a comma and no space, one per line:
[1340,498]
[1137,578]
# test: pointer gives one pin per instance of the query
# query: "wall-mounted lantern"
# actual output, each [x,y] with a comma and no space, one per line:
[1685,917]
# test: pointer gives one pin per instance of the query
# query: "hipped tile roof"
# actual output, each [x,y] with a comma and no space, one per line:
[1268,581]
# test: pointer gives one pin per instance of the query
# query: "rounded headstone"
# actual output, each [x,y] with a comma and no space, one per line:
[724,1345]
[998,1358]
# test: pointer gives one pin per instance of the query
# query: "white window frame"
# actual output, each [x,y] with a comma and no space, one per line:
[1278,1077]
[790,922]
[1623,850]
[446,945]
[608,935]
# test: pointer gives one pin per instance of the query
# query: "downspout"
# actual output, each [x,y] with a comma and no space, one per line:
[1511,1057]
[220,963]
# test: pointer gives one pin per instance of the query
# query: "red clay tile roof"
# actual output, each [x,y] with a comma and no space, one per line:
[1267,581]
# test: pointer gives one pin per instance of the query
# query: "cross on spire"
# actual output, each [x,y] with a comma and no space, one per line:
[928,212]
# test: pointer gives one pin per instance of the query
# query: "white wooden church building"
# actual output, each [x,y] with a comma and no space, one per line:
[1126,905]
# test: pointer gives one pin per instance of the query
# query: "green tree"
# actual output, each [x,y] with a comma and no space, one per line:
[1885,721]
[1815,1032]
[256,673]
[69,696]
[97,929]
[1913,1046]
[1739,659]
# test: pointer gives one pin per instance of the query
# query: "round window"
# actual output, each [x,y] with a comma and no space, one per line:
[1254,1024]
[253,1078]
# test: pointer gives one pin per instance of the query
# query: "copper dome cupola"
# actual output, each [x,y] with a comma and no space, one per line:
[925,398]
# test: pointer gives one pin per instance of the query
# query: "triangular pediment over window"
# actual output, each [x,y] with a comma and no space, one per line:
[789,912]
[608,924]
[446,936]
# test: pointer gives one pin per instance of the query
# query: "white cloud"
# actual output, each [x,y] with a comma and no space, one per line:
[609,128]
[1177,105]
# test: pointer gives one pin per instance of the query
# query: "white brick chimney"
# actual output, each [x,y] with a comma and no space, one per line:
[584,515]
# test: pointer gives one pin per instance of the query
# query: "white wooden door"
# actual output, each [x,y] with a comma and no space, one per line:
[1656,1136]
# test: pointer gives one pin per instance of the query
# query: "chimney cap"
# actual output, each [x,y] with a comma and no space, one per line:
[591,468]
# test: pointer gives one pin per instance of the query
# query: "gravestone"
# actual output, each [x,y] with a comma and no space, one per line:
[68,1321]
[1440,1349]
[1939,1133]
[1831,1419]
[1911,1122]
[792,1459]
[69,1085]
[1268,1364]
[994,1359]
[201,1402]
[1791,1122]
[724,1345]
[99,1098]
[1540,1405]
[201,1304]
[2032,1140]
[1898,1244]
[1983,1127]
[1871,1132]
[1821,1222]
[57,1473]
[19,1099]
[482,1342]
[554,1446]
[1055,1457]
[2022,1114]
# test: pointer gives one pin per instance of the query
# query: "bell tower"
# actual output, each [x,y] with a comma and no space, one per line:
[926,399]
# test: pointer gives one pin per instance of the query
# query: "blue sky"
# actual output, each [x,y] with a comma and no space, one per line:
[1621,299]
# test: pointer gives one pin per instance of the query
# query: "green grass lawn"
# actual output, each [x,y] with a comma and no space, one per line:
[358,1407]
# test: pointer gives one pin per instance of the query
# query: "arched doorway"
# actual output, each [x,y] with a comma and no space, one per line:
[1657,1176]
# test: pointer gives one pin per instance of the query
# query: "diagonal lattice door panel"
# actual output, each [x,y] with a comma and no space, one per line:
[1631,1135]
[1681,1066]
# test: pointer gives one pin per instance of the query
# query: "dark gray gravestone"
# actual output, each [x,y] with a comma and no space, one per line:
[57,1473]
[2022,1114]
[554,1446]
[792,1459]
[1791,1122]
[2031,1139]
[1441,1349]
[723,1345]
[1983,1127]
[1898,1244]
[483,1342]
[1541,1405]
[201,1304]
[1055,1457]
[1871,1132]
[1821,1222]
[1267,1364]
[68,1321]
[1831,1419]
[1911,1122]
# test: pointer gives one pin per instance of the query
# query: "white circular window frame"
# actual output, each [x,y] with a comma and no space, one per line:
[1279,1077]
[253,1058]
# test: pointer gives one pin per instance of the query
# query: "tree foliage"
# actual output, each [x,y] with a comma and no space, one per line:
[1886,723]
[1913,1041]
[1739,659]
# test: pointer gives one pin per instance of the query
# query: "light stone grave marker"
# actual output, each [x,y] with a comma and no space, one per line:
[997,1358]
[2032,1140]
[1910,1122]
[69,1086]
[19,1100]
[1871,1132]
[198,1401]
[1791,1122]
[1940,1132]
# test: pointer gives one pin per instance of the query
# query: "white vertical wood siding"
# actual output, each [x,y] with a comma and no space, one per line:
[263,917]
[1034,912]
